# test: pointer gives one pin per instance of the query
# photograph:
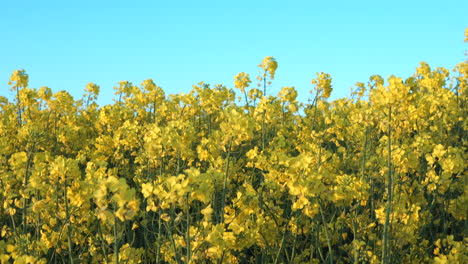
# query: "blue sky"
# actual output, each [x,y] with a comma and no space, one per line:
[66,44]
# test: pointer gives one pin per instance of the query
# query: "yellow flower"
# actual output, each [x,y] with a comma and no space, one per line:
[165,217]
[147,189]
[323,85]
[269,65]
[207,212]
[20,77]
[242,81]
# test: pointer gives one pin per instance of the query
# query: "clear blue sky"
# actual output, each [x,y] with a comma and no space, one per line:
[66,44]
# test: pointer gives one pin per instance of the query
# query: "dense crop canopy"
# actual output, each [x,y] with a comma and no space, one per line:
[202,178]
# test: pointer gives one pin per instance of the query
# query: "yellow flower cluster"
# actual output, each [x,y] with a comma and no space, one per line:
[201,178]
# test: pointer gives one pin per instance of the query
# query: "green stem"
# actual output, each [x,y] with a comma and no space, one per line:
[69,231]
[116,242]
[187,235]
[246,100]
[282,244]
[18,101]
[159,237]
[25,200]
[330,251]
[101,237]
[226,173]
[169,229]
[385,258]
